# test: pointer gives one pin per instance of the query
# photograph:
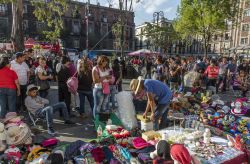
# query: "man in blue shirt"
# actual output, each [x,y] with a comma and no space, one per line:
[159,96]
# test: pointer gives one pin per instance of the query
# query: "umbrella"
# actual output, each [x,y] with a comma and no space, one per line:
[143,52]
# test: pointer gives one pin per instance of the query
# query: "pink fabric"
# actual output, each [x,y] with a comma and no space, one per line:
[105,88]
[139,143]
[50,142]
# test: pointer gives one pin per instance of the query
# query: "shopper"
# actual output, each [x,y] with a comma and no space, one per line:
[212,73]
[63,75]
[38,106]
[101,78]
[43,78]
[222,77]
[85,83]
[159,96]
[9,87]
[23,72]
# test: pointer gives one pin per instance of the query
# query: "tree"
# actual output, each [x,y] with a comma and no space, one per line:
[204,18]
[125,7]
[51,12]
[46,11]
[160,36]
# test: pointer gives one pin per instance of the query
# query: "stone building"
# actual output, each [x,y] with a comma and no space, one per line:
[100,21]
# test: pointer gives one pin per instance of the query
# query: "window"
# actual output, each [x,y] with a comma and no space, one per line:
[245,27]
[244,41]
[40,26]
[25,24]
[226,36]
[215,37]
[25,9]
[104,29]
[247,13]
[91,27]
[76,27]
[76,43]
[3,8]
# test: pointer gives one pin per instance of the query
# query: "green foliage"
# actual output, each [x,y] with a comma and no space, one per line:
[204,18]
[161,36]
[51,12]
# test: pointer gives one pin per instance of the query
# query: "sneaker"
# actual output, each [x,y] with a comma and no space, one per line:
[51,131]
[69,122]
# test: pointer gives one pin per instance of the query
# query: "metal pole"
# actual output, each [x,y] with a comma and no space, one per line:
[87,27]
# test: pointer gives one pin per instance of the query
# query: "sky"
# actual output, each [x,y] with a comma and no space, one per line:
[144,10]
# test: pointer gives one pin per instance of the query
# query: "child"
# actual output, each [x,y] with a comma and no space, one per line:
[39,107]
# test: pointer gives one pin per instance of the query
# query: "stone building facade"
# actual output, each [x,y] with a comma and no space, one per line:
[100,22]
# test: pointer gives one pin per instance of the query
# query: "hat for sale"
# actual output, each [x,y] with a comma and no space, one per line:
[10,116]
[2,132]
[18,134]
[135,84]
[163,148]
[32,87]
[180,153]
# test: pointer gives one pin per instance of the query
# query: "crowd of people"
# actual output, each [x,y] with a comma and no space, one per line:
[192,74]
[99,80]
[26,80]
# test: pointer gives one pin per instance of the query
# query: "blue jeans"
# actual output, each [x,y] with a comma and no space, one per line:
[100,101]
[89,95]
[112,99]
[49,111]
[160,115]
[7,101]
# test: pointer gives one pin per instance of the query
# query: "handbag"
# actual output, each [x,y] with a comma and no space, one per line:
[43,84]
[105,88]
[72,84]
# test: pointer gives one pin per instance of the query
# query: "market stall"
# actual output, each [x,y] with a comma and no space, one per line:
[204,129]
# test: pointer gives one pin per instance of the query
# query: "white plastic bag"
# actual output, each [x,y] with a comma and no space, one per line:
[126,109]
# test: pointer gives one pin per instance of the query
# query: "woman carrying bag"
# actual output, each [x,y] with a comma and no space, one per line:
[42,78]
[101,78]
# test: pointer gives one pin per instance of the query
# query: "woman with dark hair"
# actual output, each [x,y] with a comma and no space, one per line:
[117,72]
[85,83]
[9,87]
[101,77]
[42,77]
[63,75]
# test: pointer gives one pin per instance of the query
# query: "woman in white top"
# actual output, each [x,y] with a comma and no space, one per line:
[101,75]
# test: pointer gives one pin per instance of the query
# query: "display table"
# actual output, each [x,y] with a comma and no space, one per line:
[227,154]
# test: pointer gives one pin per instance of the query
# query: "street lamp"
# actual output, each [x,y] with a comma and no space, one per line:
[157,15]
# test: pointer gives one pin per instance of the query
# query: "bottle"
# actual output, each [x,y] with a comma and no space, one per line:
[99,131]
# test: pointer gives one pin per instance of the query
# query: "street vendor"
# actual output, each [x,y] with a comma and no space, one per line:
[158,99]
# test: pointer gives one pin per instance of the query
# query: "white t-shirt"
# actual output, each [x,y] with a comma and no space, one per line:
[21,71]
[101,74]
[40,69]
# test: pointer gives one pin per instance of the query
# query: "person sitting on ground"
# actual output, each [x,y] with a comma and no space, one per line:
[39,107]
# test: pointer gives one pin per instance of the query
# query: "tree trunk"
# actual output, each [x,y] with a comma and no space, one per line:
[17,29]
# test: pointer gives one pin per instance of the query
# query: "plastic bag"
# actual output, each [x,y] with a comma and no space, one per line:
[126,110]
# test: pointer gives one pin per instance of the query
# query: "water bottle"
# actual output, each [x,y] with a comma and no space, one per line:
[99,131]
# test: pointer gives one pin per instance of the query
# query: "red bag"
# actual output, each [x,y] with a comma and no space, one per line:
[72,84]
[105,88]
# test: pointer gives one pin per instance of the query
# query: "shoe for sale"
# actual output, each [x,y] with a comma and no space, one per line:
[51,131]
[69,122]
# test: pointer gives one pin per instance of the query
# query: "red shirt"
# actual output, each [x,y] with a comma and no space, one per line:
[7,78]
[212,72]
